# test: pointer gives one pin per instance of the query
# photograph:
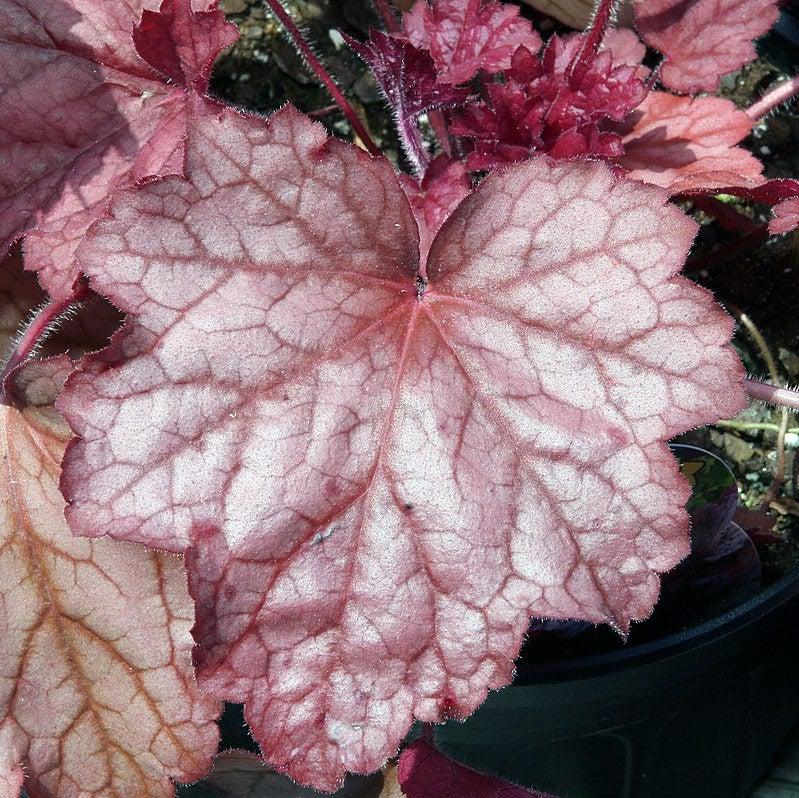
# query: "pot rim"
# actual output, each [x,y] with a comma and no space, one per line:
[703,634]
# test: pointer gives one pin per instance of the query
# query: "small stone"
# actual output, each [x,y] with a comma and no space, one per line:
[233,6]
[790,362]
[739,450]
[730,80]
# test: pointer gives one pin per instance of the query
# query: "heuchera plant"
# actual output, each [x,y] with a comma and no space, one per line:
[384,416]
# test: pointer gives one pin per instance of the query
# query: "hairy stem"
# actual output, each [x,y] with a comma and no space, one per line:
[387,15]
[773,394]
[37,330]
[779,470]
[773,99]
[594,34]
[316,65]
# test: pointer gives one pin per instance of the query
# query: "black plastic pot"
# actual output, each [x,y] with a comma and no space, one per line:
[698,714]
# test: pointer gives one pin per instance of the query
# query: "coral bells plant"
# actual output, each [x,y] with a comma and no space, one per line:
[362,420]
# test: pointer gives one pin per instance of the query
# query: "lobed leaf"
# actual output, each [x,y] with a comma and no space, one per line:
[381,467]
[703,39]
[466,36]
[84,114]
[97,694]
[781,194]
[684,143]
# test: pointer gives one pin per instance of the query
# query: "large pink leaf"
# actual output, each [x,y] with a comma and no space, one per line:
[424,772]
[83,113]
[381,479]
[98,696]
[465,36]
[703,39]
[684,143]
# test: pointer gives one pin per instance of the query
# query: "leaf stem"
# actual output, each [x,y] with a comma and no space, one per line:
[387,15]
[38,328]
[753,426]
[773,394]
[779,470]
[772,99]
[316,65]
[594,34]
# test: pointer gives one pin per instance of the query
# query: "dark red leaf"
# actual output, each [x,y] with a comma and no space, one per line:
[183,44]
[408,78]
[466,36]
[781,194]
[424,772]
[548,105]
[758,524]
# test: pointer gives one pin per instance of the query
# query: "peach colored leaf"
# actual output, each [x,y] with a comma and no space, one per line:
[381,477]
[424,772]
[466,36]
[684,143]
[625,47]
[84,114]
[703,39]
[240,774]
[97,694]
